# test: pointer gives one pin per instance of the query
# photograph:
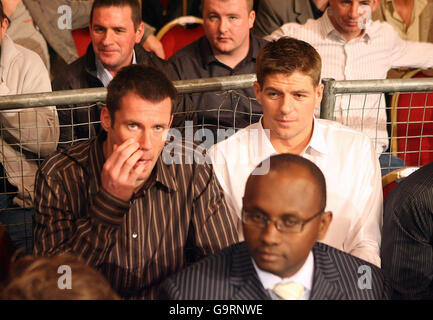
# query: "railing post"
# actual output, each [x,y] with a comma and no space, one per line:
[328,100]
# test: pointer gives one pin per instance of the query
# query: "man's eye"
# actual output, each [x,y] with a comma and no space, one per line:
[132,126]
[273,95]
[290,222]
[257,217]
[159,128]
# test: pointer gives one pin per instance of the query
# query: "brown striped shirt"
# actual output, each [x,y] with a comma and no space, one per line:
[178,217]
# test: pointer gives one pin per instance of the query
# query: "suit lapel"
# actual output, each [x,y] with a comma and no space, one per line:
[243,277]
[326,278]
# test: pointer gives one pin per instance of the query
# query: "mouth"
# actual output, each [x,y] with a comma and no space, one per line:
[223,39]
[144,162]
[284,122]
[267,256]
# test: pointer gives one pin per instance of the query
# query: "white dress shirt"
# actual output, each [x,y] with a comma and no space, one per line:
[304,276]
[351,169]
[369,56]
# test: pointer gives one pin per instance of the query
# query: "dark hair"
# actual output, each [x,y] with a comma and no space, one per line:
[285,161]
[250,4]
[133,4]
[288,55]
[145,81]
[36,278]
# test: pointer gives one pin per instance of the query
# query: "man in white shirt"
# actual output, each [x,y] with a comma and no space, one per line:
[354,48]
[26,136]
[283,217]
[288,88]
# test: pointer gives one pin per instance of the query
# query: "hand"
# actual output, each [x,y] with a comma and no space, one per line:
[120,173]
[153,44]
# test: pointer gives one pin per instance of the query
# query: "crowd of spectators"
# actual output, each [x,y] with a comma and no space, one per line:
[107,202]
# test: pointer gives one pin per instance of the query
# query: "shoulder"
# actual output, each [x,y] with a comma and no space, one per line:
[150,58]
[235,142]
[357,278]
[189,58]
[345,137]
[25,58]
[205,276]
[71,78]
[74,158]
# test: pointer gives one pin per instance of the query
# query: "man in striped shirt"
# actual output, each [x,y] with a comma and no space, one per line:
[118,202]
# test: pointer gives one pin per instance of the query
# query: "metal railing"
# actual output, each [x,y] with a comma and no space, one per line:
[333,91]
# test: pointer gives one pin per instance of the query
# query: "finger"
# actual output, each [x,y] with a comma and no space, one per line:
[129,164]
[122,153]
[135,173]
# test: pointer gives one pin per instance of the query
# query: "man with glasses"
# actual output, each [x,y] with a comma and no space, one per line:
[288,88]
[283,216]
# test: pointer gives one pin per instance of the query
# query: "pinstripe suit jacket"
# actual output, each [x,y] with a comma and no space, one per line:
[230,275]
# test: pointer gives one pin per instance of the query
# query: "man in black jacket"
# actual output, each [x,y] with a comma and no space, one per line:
[116,30]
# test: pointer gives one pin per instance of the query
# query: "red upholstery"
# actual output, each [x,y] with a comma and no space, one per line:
[178,37]
[81,39]
[409,133]
[388,188]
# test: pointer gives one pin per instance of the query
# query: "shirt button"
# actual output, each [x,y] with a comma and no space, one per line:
[134,235]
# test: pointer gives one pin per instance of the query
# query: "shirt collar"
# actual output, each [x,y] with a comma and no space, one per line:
[165,174]
[103,74]
[304,275]
[317,141]
[328,29]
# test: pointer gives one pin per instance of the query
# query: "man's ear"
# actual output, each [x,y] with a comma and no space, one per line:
[257,91]
[139,33]
[105,119]
[319,93]
[251,18]
[325,221]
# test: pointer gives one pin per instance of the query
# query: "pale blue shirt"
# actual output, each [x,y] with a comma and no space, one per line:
[103,74]
[304,276]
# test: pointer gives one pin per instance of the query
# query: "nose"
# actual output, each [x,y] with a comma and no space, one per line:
[145,141]
[108,37]
[270,234]
[223,26]
[353,12]
[286,105]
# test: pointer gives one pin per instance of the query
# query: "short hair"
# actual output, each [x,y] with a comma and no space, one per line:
[285,161]
[37,278]
[133,4]
[145,81]
[288,55]
[250,4]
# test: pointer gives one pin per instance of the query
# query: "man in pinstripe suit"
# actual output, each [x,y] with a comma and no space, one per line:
[283,216]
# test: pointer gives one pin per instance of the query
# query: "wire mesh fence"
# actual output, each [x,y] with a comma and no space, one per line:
[396,114]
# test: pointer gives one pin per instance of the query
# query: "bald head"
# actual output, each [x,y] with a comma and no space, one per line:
[283,169]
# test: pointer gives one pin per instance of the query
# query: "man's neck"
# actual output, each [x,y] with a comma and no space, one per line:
[295,145]
[232,59]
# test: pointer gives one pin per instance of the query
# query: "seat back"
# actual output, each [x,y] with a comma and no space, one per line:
[390,180]
[81,39]
[412,125]
[180,32]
